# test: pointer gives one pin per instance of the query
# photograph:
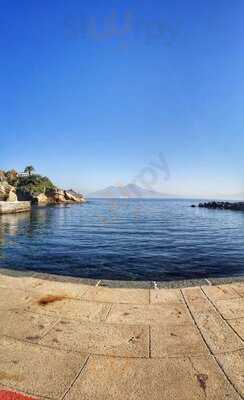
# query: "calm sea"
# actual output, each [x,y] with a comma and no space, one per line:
[125,239]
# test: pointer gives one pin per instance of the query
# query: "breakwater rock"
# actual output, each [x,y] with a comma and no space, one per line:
[223,205]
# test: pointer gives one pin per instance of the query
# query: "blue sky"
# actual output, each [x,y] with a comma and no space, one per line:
[92,92]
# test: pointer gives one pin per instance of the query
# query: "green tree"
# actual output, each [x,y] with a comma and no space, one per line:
[34,184]
[29,169]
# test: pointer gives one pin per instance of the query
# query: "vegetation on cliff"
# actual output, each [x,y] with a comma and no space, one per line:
[31,183]
[27,186]
[34,184]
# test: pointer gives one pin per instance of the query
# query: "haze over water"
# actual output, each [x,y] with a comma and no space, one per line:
[125,239]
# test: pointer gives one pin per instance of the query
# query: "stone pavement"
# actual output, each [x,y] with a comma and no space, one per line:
[69,339]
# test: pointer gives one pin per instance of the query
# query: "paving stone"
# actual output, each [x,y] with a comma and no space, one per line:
[57,321]
[113,340]
[193,294]
[165,296]
[25,325]
[119,295]
[197,301]
[176,340]
[151,379]
[37,370]
[27,283]
[13,299]
[233,365]
[217,333]
[239,288]
[149,314]
[66,278]
[238,326]
[222,292]
[71,290]
[69,308]
[233,308]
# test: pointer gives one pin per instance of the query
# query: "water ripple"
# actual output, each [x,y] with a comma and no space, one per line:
[125,239]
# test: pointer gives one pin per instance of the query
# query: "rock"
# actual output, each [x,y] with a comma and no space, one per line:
[51,196]
[59,196]
[5,190]
[12,196]
[40,199]
[73,196]
[64,196]
[223,205]
[193,205]
[56,196]
[70,196]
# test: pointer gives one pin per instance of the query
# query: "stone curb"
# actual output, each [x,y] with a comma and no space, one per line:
[124,284]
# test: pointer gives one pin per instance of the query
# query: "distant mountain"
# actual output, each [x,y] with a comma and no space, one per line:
[128,191]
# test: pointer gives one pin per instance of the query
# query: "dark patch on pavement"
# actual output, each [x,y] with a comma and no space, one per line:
[48,299]
[202,380]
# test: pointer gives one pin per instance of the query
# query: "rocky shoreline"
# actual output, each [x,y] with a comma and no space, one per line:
[17,190]
[222,205]
[52,196]
[55,195]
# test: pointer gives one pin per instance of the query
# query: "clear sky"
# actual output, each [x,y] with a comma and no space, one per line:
[92,92]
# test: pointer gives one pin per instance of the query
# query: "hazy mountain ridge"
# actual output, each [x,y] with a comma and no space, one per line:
[131,190]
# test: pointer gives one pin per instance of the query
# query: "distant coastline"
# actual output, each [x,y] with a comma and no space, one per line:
[133,191]
[128,191]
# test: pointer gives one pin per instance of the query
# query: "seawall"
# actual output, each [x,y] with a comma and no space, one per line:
[7,207]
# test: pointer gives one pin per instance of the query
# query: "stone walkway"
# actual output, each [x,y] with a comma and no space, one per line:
[75,341]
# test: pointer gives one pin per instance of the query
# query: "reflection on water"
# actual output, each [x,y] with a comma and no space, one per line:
[10,223]
[125,239]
